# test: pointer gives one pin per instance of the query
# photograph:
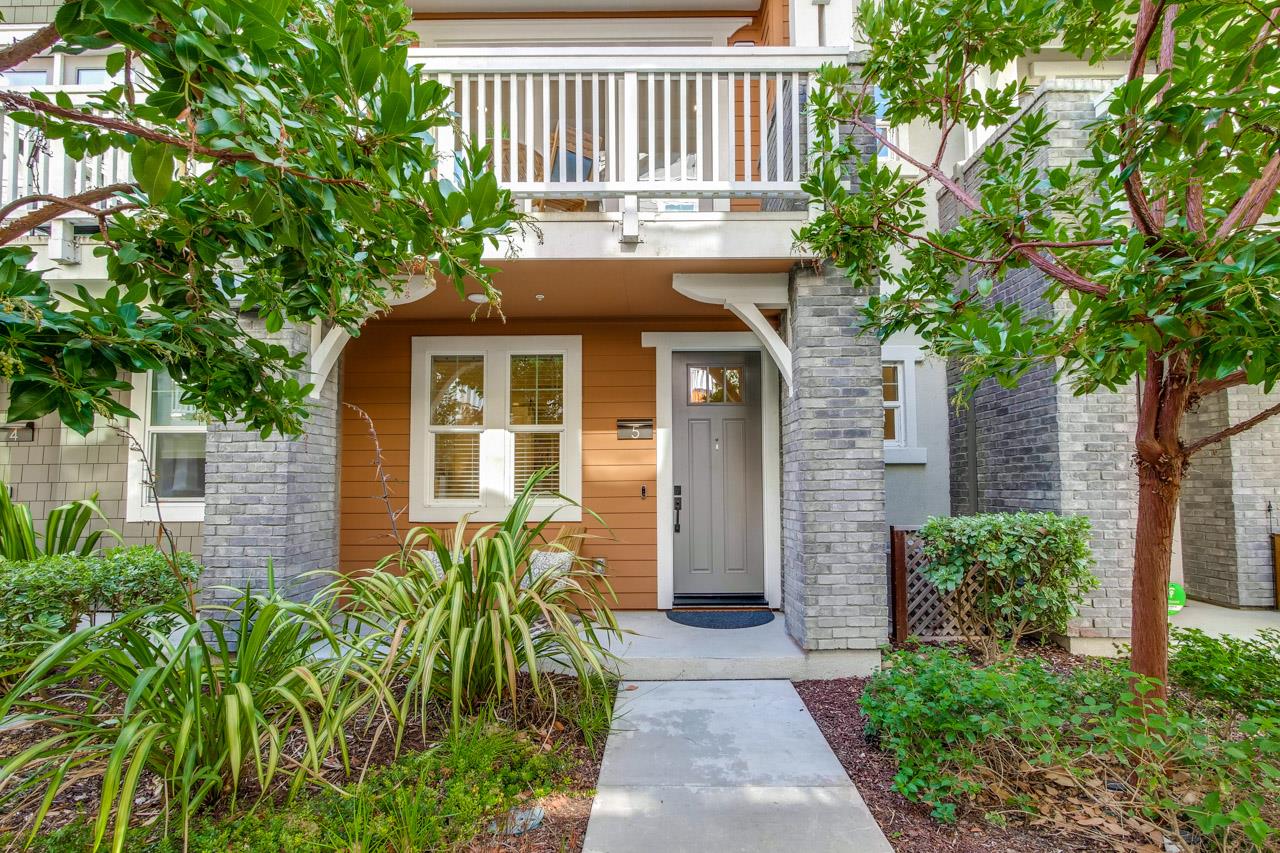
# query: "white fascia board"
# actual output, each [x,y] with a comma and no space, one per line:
[723,235]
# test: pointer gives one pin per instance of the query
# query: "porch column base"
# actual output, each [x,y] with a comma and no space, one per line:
[1092,647]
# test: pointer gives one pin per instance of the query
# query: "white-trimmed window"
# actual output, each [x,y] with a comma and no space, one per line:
[895,434]
[488,412]
[173,437]
[898,375]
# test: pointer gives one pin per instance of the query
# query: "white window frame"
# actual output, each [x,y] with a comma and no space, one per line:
[497,438]
[141,504]
[905,449]
[900,420]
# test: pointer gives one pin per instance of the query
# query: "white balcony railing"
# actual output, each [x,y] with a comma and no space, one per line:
[592,123]
[569,128]
[31,164]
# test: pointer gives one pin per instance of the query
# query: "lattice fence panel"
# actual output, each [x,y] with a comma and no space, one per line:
[930,614]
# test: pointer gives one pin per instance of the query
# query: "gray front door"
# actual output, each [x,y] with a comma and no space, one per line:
[719,536]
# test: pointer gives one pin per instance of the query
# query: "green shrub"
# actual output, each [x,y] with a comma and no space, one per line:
[1029,571]
[209,708]
[434,800]
[47,597]
[462,620]
[954,726]
[1242,673]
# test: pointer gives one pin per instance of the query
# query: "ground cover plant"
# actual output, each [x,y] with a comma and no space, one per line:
[1072,747]
[1243,673]
[437,799]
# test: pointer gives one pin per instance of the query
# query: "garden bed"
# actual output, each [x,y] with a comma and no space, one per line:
[1046,751]
[541,757]
[909,826]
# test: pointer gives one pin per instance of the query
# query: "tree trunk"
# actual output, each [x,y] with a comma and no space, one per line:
[1158,488]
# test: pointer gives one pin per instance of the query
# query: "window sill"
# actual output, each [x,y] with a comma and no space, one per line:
[557,512]
[905,455]
[171,512]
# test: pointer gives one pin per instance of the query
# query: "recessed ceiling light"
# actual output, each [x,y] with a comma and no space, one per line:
[477,298]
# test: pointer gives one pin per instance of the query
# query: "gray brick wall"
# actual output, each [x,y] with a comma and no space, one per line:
[833,528]
[1207,511]
[274,500]
[1225,523]
[1038,446]
[62,466]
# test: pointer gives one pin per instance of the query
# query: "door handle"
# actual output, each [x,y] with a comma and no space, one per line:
[677,501]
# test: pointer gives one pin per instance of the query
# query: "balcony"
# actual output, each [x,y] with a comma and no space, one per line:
[619,132]
[601,126]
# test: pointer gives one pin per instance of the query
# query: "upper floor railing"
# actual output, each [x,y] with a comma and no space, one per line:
[594,123]
[569,129]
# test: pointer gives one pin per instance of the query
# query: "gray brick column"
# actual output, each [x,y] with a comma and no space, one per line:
[273,500]
[1226,542]
[1038,447]
[835,586]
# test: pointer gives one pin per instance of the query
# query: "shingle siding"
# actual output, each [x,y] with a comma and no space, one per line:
[62,466]
[29,11]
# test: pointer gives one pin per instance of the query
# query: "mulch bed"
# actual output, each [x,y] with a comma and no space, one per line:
[909,826]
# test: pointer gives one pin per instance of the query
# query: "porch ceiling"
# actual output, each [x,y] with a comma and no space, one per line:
[596,289]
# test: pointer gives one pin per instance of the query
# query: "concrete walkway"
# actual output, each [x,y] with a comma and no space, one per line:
[723,766]
[1228,621]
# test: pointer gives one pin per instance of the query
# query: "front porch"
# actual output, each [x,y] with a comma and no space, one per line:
[654,648]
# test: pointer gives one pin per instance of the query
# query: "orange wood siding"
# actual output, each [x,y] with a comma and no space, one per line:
[618,381]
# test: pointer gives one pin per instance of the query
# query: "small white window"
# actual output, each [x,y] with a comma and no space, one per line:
[898,383]
[894,432]
[487,414]
[172,435]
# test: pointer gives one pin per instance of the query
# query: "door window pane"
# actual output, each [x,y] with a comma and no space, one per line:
[714,384]
[456,472]
[177,459]
[535,451]
[537,390]
[457,390]
[167,408]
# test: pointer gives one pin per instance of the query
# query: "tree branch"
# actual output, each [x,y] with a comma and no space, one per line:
[1212,386]
[1068,277]
[1247,424]
[16,101]
[22,50]
[1249,208]
[55,207]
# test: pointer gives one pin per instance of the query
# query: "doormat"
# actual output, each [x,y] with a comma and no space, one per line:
[721,618]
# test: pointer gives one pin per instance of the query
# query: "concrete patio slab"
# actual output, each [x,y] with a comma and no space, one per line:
[657,649]
[705,766]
